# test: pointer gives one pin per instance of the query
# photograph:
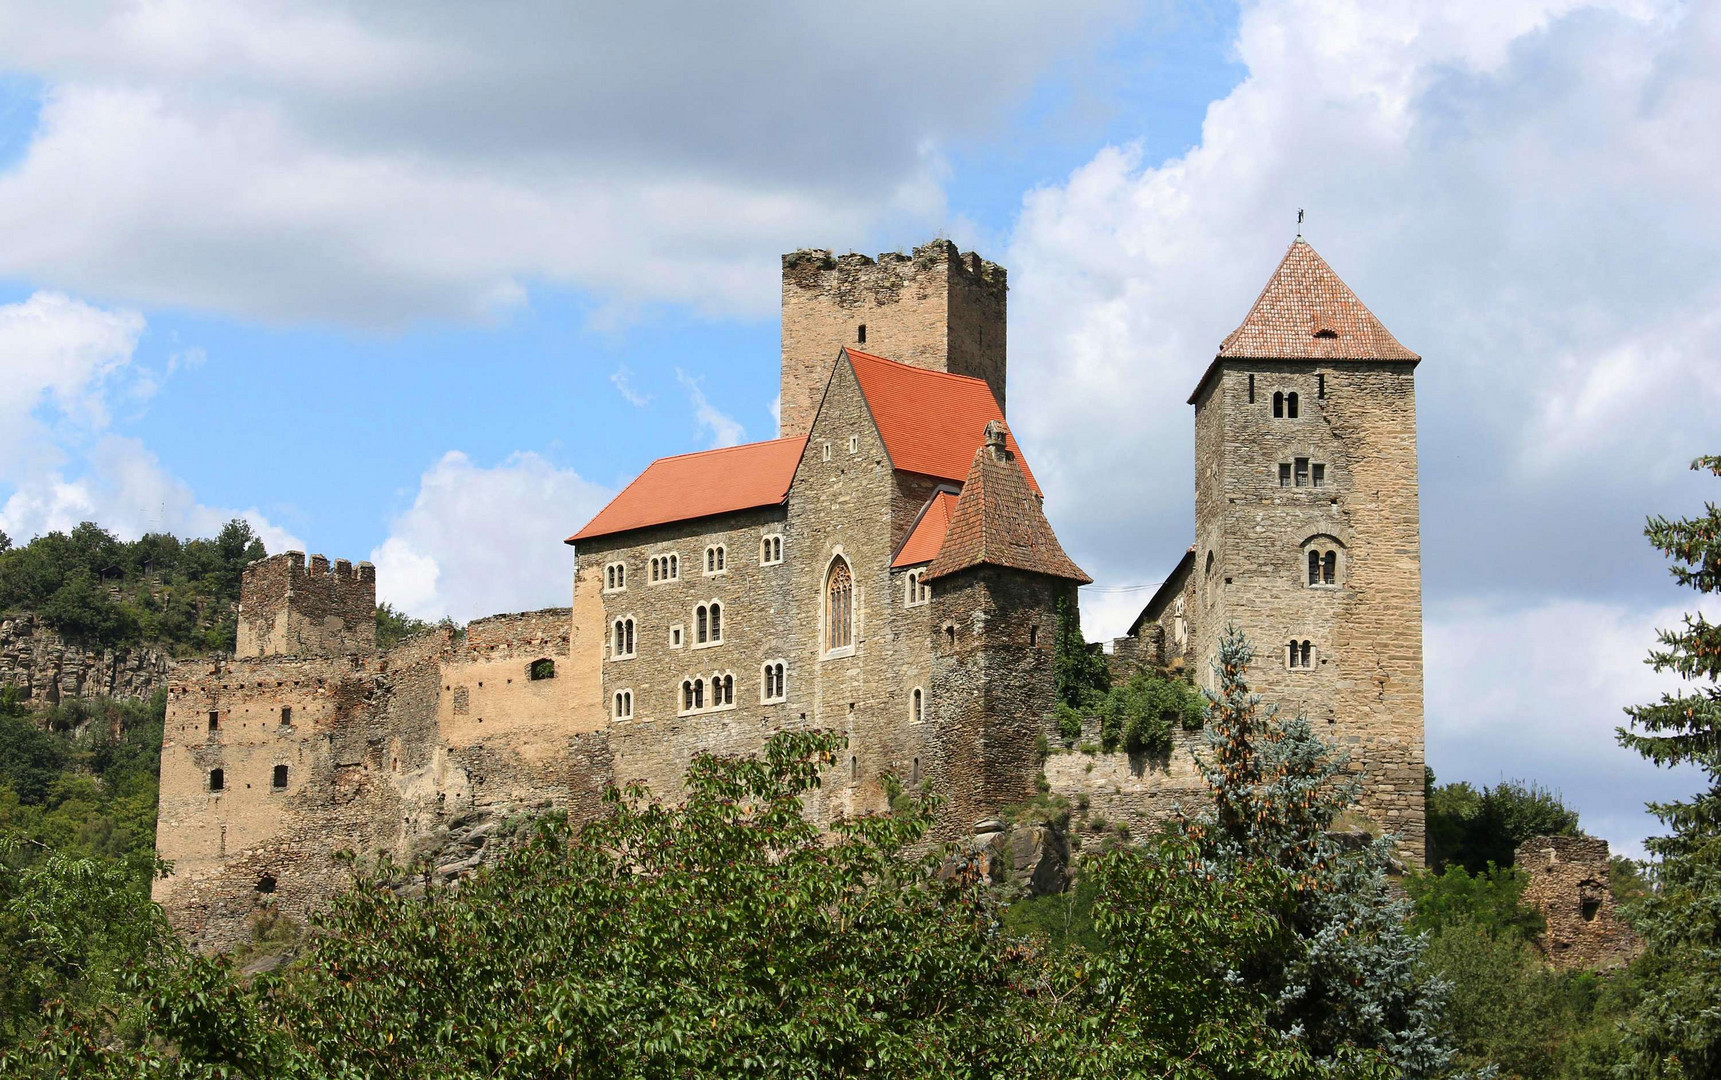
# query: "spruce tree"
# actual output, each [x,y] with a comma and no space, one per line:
[1676,1029]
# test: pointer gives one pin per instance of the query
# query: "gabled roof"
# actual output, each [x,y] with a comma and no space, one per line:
[1307,313]
[930,421]
[700,485]
[927,536]
[997,521]
[1170,587]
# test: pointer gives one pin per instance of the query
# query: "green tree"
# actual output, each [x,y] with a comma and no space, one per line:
[394,626]
[1477,829]
[1675,1029]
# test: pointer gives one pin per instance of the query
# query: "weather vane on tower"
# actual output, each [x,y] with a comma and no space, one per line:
[1299,221]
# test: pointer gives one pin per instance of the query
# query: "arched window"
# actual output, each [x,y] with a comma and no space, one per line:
[723,690]
[699,693]
[701,625]
[1306,653]
[1330,568]
[279,780]
[1301,654]
[687,696]
[714,557]
[914,772]
[654,561]
[839,607]
[266,884]
[716,622]
[917,706]
[674,567]
[217,780]
[1278,405]
[770,550]
[1314,567]
[624,705]
[621,643]
[854,769]
[1291,406]
[771,688]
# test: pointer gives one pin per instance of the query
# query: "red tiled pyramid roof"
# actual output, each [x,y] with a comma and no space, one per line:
[700,485]
[931,421]
[1306,312]
[928,535]
[998,522]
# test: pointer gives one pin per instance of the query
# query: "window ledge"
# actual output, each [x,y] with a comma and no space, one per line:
[708,644]
[838,654]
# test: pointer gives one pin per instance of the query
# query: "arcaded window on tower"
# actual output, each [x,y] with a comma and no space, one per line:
[839,607]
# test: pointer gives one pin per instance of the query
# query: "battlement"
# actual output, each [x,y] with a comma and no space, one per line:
[289,608]
[937,308]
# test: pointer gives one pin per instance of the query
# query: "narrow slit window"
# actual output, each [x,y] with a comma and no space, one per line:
[687,696]
[1251,389]
[214,720]
[1291,406]
[916,710]
[1320,386]
[1278,405]
[860,334]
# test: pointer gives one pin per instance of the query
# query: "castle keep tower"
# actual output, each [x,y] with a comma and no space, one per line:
[1307,526]
[287,609]
[938,309]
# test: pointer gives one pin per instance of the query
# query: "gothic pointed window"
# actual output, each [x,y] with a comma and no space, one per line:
[839,607]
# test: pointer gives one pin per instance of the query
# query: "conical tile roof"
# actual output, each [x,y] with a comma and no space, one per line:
[1306,312]
[997,521]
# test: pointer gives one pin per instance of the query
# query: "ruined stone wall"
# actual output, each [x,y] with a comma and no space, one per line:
[1136,790]
[937,309]
[289,609]
[1568,885]
[1363,686]
[47,670]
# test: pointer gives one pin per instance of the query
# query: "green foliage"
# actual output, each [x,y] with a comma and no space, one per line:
[95,589]
[1141,714]
[1476,829]
[81,779]
[1675,1027]
[394,626]
[1069,723]
[1081,669]
[1491,901]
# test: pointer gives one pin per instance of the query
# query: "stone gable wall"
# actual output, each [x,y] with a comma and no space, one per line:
[48,670]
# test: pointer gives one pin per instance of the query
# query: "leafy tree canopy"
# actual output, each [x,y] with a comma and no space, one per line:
[1478,828]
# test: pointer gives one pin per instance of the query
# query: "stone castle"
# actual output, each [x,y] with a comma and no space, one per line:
[884,569]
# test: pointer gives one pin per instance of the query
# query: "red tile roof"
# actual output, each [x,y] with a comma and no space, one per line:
[931,421]
[700,485]
[997,522]
[928,534]
[1306,312]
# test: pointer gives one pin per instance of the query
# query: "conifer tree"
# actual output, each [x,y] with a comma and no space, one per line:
[1676,1029]
[1345,976]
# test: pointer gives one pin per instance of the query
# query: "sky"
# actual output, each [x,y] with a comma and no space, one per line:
[427,284]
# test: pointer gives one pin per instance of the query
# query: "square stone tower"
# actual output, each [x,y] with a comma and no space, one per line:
[289,609]
[937,308]
[1307,526]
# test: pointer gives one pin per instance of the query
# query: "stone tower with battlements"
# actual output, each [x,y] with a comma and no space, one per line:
[289,609]
[1307,529]
[938,308]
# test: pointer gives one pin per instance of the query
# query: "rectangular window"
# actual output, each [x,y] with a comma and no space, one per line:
[1251,389]
[279,780]
[286,716]
[1319,474]
[1320,386]
[1284,474]
[214,720]
[1302,472]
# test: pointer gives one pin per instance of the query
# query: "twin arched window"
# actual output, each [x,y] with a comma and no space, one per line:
[1284,405]
[693,693]
[918,592]
[624,705]
[615,577]
[714,557]
[1323,567]
[621,640]
[916,706]
[1300,654]
[770,550]
[708,624]
[839,607]
[773,688]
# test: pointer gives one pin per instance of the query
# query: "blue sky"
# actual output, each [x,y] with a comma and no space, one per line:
[427,287]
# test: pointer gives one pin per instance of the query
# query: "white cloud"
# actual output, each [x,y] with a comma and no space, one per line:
[725,430]
[480,541]
[356,163]
[61,362]
[620,380]
[1536,693]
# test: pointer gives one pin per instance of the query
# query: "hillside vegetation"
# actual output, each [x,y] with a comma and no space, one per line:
[97,590]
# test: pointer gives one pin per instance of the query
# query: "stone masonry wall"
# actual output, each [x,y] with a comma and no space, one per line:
[289,609]
[1568,884]
[1363,687]
[937,308]
[47,670]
